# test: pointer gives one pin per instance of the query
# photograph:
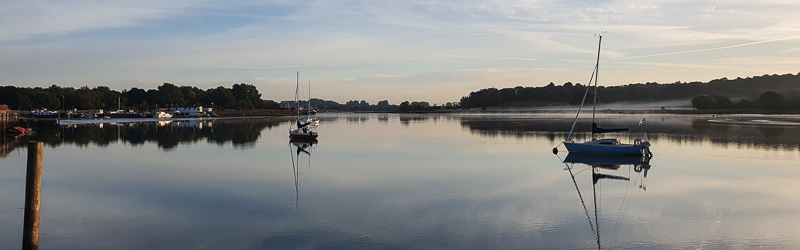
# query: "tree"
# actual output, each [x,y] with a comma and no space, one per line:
[136,97]
[744,104]
[109,99]
[405,107]
[770,100]
[383,104]
[723,102]
[246,95]
[704,102]
[222,97]
[169,94]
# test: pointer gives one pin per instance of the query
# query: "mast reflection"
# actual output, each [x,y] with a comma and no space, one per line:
[599,164]
[300,152]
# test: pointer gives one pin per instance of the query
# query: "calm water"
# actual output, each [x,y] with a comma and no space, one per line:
[386,181]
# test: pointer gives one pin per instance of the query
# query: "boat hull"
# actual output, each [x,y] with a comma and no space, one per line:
[603,149]
[597,159]
[303,137]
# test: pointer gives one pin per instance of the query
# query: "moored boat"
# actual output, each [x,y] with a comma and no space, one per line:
[44,114]
[610,146]
[162,114]
[305,128]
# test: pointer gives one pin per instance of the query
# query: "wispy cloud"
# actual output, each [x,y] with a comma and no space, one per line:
[444,49]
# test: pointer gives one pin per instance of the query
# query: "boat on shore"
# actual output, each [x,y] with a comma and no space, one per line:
[162,114]
[608,146]
[44,114]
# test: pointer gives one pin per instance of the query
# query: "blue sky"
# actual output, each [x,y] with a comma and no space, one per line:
[435,51]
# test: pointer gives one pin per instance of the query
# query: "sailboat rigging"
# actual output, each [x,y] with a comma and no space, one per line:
[610,146]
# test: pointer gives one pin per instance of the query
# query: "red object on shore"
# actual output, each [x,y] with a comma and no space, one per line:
[20,131]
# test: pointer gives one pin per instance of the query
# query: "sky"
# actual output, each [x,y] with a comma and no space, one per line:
[415,50]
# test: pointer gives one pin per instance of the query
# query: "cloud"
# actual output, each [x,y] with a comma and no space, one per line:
[446,46]
[26,19]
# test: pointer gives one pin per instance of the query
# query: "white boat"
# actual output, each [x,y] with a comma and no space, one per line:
[44,114]
[610,146]
[162,114]
[305,128]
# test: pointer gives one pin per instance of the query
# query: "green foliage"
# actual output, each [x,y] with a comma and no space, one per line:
[572,93]
[101,97]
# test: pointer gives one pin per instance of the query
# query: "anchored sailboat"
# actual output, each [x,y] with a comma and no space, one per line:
[610,146]
[306,127]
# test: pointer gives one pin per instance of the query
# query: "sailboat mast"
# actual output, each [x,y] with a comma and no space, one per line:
[596,77]
[309,100]
[296,93]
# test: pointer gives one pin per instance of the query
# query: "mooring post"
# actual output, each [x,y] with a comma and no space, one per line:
[33,194]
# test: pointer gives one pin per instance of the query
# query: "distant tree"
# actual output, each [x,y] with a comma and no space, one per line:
[723,102]
[222,97]
[109,99]
[136,97]
[770,100]
[405,107]
[703,102]
[744,104]
[86,99]
[169,94]
[383,104]
[193,96]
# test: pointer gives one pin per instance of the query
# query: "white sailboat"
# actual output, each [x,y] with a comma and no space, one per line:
[305,128]
[610,146]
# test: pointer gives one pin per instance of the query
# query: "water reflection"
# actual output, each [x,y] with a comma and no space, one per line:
[671,128]
[301,158]
[167,134]
[599,164]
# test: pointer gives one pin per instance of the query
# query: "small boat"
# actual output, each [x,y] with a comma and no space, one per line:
[162,114]
[305,128]
[603,146]
[44,114]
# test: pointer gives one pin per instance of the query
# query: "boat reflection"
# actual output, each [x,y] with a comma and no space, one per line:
[301,158]
[600,165]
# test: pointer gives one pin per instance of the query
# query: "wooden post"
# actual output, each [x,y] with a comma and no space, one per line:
[33,193]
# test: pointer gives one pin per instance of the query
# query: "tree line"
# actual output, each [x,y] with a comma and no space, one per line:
[239,96]
[364,106]
[751,88]
[769,100]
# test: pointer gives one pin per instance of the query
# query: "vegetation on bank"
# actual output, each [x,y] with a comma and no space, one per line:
[364,106]
[766,93]
[239,96]
[769,100]
[751,88]
[240,99]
